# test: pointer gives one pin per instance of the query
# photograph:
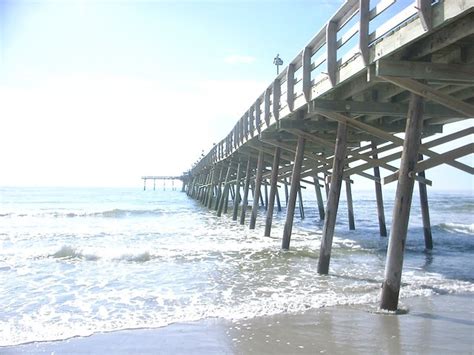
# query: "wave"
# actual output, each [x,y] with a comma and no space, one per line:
[68,252]
[458,228]
[115,213]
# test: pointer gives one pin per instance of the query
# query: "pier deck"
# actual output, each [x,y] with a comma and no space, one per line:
[372,87]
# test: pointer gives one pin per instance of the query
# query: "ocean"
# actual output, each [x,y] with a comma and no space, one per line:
[79,261]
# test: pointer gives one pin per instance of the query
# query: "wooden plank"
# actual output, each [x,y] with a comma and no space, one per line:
[375,108]
[387,136]
[425,70]
[401,210]
[432,94]
[444,158]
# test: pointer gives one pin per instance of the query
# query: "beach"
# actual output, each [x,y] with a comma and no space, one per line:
[129,271]
[436,325]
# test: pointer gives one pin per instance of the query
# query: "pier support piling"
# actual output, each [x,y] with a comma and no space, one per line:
[237,193]
[319,197]
[378,195]
[333,199]
[300,200]
[350,205]
[425,211]
[258,184]
[295,184]
[225,192]
[246,193]
[401,208]
[273,191]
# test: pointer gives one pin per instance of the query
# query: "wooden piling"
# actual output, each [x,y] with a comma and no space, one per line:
[319,197]
[237,193]
[333,199]
[225,192]
[295,184]
[378,195]
[300,200]
[401,209]
[425,211]
[273,191]
[286,192]
[350,205]
[246,193]
[278,200]
[258,183]
[219,188]
[266,195]
[210,195]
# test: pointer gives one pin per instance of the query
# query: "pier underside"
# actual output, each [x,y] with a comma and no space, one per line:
[337,112]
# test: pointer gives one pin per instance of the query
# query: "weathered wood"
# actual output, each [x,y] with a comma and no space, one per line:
[246,193]
[364,13]
[266,194]
[276,90]
[333,199]
[286,191]
[278,200]
[225,193]
[290,86]
[425,211]
[295,184]
[425,70]
[273,191]
[350,205]
[424,12]
[401,209]
[256,192]
[331,51]
[300,201]
[306,58]
[237,193]
[210,194]
[319,197]
[219,188]
[432,94]
[379,196]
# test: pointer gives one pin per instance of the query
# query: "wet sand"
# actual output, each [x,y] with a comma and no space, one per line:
[438,324]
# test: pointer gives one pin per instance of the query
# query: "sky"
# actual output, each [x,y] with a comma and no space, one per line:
[101,92]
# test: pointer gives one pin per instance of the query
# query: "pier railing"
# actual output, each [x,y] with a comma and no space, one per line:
[343,48]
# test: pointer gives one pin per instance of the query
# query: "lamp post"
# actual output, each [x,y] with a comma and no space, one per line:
[278,61]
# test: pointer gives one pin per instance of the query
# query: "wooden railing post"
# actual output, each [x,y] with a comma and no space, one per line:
[306,60]
[331,51]
[290,86]
[276,90]
[364,13]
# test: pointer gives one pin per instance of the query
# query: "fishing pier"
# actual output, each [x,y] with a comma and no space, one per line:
[370,90]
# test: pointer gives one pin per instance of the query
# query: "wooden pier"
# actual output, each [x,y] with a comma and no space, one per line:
[372,87]
[182,178]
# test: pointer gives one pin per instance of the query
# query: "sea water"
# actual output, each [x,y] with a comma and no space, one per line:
[76,261]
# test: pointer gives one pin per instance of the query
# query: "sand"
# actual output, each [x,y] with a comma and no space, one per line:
[439,324]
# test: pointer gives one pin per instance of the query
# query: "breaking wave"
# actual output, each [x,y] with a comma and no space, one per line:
[458,228]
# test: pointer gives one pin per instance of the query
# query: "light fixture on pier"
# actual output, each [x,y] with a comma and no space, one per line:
[278,61]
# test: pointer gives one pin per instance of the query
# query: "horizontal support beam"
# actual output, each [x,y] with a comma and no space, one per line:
[432,94]
[378,108]
[425,70]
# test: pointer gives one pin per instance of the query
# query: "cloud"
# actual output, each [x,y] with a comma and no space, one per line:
[239,59]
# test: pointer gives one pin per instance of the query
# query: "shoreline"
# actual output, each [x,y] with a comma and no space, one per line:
[435,324]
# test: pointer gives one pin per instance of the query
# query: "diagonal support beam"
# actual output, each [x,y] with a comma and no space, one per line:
[432,94]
